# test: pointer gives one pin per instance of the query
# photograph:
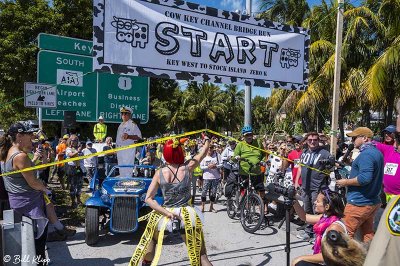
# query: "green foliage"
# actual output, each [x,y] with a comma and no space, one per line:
[20,23]
[260,114]
[369,77]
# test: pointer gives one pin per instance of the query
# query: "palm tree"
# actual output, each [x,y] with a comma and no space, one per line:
[234,101]
[359,46]
[204,103]
[171,110]
[383,77]
[285,11]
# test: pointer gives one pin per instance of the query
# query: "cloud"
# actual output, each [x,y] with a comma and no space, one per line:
[232,5]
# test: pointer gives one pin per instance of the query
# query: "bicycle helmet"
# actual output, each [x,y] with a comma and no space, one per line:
[247,129]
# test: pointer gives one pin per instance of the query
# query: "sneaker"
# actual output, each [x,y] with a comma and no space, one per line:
[301,227]
[55,236]
[67,231]
[272,206]
[303,236]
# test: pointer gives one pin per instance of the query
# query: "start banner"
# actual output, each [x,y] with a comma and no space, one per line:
[186,41]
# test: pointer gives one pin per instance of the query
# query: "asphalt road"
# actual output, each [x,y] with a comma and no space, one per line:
[226,241]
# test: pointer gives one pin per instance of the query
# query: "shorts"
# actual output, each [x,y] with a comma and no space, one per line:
[257,181]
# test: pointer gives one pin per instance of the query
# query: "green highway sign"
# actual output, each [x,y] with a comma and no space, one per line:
[77,84]
[116,91]
[90,94]
[65,44]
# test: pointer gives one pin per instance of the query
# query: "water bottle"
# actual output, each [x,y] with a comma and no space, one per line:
[332,184]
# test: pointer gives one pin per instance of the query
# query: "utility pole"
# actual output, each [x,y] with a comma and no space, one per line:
[247,89]
[336,85]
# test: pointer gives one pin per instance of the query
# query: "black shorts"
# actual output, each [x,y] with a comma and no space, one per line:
[257,181]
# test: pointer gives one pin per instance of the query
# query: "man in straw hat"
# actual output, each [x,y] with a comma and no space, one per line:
[127,134]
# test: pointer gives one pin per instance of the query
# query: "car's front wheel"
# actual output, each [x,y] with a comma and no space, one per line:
[91,225]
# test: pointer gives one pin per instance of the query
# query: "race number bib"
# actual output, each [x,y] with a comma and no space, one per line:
[390,168]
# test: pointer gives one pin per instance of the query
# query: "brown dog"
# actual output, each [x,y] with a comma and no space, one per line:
[340,250]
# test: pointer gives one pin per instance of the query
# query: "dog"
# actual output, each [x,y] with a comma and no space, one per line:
[338,249]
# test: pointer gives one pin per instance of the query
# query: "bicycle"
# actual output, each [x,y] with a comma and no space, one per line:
[251,207]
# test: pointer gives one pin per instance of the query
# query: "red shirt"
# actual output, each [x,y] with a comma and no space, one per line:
[294,155]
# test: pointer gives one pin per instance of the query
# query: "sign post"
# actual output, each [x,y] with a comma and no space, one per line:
[40,95]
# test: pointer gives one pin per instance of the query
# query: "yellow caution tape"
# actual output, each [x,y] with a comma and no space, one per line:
[270,152]
[160,240]
[159,140]
[190,232]
[145,239]
[40,166]
[194,237]
[145,217]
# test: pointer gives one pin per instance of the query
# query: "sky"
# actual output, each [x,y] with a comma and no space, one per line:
[239,5]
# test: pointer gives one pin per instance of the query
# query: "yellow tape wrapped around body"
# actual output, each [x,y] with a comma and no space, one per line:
[194,237]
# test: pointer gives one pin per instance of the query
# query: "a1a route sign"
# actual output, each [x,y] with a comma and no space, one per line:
[76,84]
[69,66]
[40,95]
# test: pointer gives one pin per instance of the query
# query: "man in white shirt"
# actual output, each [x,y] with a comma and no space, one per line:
[127,134]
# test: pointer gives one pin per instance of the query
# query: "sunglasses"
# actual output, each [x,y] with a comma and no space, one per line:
[312,140]
[354,138]
[125,113]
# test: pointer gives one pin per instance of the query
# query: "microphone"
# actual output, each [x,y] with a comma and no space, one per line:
[350,148]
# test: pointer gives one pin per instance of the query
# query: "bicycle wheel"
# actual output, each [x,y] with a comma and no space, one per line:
[252,213]
[232,205]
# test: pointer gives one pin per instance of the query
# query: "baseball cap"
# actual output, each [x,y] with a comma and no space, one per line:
[66,136]
[89,142]
[101,118]
[22,127]
[361,131]
[390,129]
[125,109]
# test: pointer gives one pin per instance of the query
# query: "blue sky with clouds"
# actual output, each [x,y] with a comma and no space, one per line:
[239,5]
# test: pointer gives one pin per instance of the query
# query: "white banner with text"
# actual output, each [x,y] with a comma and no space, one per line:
[186,41]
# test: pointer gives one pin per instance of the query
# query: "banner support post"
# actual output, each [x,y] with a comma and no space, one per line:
[336,85]
[247,90]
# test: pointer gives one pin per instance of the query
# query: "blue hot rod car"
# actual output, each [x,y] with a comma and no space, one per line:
[117,201]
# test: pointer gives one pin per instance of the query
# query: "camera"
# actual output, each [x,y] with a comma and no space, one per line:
[289,192]
[328,163]
[176,226]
